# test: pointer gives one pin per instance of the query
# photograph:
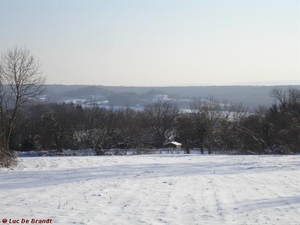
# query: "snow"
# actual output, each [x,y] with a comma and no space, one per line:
[153,189]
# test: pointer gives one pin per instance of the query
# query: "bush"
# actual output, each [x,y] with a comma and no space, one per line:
[7,159]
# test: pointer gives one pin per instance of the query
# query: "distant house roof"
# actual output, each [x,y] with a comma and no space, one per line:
[176,143]
[173,144]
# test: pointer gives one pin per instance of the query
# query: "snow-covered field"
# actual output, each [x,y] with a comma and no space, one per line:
[152,189]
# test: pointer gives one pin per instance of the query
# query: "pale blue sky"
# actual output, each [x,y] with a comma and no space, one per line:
[157,42]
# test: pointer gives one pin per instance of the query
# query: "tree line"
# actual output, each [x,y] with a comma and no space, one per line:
[209,124]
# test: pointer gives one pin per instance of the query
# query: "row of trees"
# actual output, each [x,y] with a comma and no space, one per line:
[207,125]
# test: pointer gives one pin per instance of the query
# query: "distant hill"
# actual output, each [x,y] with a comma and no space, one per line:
[249,96]
[88,91]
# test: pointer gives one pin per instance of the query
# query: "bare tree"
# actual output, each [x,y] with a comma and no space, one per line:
[186,131]
[159,119]
[284,121]
[21,81]
[209,113]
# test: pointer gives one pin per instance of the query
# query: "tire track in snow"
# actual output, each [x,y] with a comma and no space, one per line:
[269,196]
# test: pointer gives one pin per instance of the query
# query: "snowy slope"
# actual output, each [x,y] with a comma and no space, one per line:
[153,189]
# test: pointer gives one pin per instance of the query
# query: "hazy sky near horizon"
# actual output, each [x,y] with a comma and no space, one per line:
[157,42]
